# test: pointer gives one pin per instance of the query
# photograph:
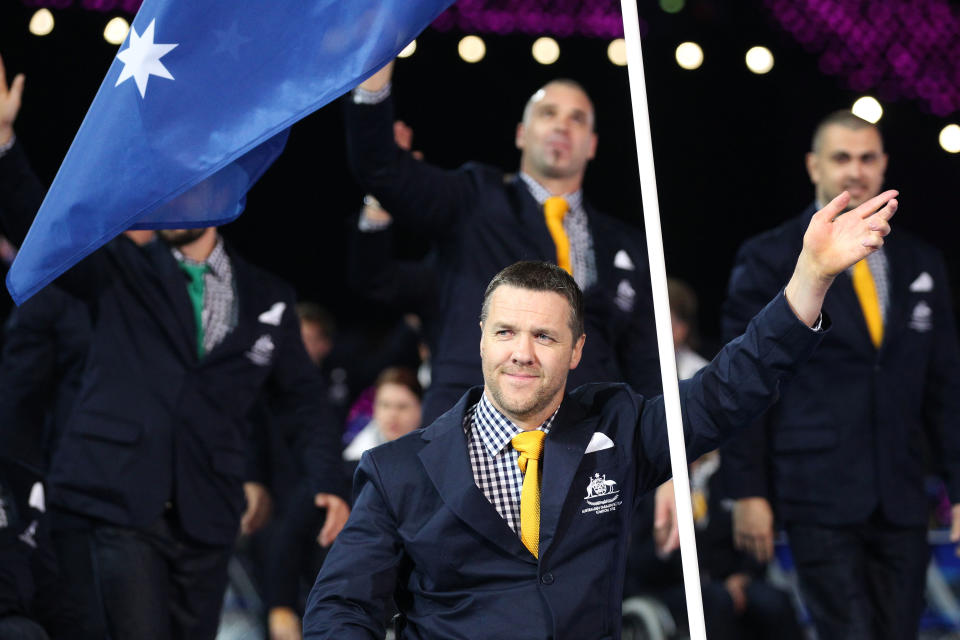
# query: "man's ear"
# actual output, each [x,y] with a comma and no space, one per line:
[577,351]
[813,167]
[518,139]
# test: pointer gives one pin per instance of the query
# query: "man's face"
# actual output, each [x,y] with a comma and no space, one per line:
[396,409]
[556,137]
[180,237]
[527,349]
[315,341]
[847,160]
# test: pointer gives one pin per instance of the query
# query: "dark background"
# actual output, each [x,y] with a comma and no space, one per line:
[728,144]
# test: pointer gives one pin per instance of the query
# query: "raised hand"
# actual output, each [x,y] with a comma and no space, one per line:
[10,98]
[835,240]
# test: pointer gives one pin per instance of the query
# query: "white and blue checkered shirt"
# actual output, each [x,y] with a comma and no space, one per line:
[220,309]
[582,259]
[493,458]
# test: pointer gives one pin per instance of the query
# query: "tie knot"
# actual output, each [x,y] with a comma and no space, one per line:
[555,208]
[195,272]
[530,446]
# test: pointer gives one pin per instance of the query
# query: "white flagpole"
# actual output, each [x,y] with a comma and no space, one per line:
[661,308]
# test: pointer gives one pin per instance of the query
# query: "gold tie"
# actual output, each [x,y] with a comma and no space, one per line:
[554,209]
[530,446]
[866,290]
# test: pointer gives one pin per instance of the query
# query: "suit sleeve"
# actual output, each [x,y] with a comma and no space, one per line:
[730,392]
[299,397]
[348,600]
[374,272]
[21,194]
[754,279]
[941,393]
[419,195]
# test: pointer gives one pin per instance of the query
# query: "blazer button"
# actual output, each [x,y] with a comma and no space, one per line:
[547,578]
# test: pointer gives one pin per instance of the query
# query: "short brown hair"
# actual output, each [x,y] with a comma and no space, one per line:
[315,314]
[683,305]
[540,276]
[844,118]
[402,376]
[564,82]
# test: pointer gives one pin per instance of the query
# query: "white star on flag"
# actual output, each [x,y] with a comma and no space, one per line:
[141,59]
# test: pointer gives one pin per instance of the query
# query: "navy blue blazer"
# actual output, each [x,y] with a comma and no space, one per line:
[423,532]
[154,424]
[482,221]
[848,432]
[44,349]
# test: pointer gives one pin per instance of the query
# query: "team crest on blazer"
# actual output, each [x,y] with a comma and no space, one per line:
[626,296]
[922,317]
[602,496]
[261,353]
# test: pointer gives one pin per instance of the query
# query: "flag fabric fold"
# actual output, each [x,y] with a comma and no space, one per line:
[195,107]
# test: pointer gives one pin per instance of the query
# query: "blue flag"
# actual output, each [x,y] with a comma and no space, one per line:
[195,107]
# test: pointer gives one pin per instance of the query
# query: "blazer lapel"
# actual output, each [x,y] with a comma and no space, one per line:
[531,216]
[563,450]
[901,271]
[846,305]
[446,461]
[173,287]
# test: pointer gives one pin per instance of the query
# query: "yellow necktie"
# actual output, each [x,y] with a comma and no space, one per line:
[866,290]
[530,446]
[554,209]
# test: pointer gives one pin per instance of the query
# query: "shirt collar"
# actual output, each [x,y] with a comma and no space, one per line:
[540,193]
[217,261]
[495,429]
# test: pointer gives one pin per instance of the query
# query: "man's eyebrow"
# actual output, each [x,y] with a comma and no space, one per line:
[546,330]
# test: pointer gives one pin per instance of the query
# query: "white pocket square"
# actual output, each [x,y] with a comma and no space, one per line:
[273,314]
[923,283]
[599,442]
[623,261]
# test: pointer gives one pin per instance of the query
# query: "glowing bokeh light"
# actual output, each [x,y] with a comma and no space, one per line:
[672,6]
[545,50]
[950,138]
[759,60]
[617,52]
[408,50]
[868,108]
[689,55]
[116,30]
[41,22]
[472,49]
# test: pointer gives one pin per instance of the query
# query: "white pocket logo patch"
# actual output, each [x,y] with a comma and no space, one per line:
[261,353]
[922,317]
[603,496]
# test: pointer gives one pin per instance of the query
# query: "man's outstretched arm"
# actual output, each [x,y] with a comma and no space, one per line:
[745,377]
